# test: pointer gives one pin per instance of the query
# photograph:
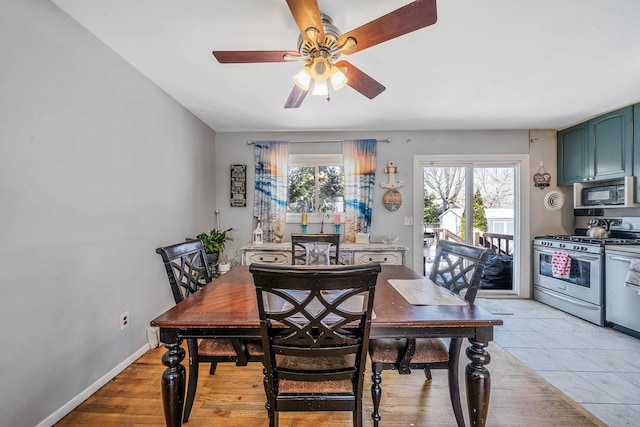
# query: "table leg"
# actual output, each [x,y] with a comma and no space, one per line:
[478,382]
[173,384]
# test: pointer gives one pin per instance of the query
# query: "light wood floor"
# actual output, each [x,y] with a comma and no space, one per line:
[234,397]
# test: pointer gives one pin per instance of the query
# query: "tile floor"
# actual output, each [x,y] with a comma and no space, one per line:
[597,367]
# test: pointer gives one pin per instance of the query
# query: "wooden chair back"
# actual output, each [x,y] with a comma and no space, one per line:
[459,267]
[315,324]
[186,266]
[299,241]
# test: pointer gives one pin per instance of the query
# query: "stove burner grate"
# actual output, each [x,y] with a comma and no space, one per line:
[594,241]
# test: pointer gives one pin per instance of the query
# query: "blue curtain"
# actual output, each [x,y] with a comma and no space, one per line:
[270,196]
[359,158]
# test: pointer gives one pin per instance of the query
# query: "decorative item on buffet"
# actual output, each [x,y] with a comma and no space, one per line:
[303,223]
[258,234]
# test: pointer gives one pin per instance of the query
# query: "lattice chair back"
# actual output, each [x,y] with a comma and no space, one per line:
[186,265]
[300,242]
[459,267]
[315,324]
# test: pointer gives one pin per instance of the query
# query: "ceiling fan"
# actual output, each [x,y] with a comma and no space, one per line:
[320,44]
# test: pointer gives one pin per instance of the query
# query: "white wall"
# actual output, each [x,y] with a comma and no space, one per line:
[98,167]
[231,148]
[543,151]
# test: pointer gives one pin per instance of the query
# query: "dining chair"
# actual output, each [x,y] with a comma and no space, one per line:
[315,324]
[457,267]
[300,241]
[186,266]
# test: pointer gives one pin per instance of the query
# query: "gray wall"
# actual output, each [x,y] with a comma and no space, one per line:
[98,167]
[232,148]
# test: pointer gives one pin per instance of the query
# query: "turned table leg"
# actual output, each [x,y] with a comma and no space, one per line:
[173,384]
[478,382]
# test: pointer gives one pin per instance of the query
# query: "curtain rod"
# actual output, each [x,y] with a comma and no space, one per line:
[324,140]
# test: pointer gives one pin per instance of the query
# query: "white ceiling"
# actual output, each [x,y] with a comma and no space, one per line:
[486,64]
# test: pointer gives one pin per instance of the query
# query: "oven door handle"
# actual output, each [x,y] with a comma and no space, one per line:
[577,257]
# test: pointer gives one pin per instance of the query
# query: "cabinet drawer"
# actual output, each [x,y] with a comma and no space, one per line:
[394,258]
[281,258]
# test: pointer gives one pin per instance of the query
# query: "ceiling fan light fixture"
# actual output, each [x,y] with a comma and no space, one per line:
[320,88]
[302,79]
[338,79]
[320,69]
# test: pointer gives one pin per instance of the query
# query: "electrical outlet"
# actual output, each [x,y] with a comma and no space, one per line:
[124,320]
[408,220]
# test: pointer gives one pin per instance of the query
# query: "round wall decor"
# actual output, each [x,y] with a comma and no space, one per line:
[392,200]
[554,200]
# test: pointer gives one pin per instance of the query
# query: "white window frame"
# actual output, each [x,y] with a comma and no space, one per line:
[312,160]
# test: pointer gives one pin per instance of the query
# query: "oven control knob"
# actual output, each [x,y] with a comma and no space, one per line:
[561,245]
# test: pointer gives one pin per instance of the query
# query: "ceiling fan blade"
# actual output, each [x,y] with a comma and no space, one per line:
[360,81]
[296,97]
[251,56]
[416,15]
[306,13]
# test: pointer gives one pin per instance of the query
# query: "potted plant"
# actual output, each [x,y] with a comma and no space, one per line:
[324,209]
[214,243]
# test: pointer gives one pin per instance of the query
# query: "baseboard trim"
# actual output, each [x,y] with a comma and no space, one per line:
[76,401]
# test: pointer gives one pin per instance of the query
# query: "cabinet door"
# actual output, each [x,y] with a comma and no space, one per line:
[611,145]
[572,155]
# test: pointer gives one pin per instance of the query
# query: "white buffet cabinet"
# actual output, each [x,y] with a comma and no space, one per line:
[350,253]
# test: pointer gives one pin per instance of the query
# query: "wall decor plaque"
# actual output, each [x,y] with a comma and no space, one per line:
[542,178]
[238,185]
[392,199]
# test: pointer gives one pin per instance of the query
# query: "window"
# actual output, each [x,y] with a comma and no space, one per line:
[315,180]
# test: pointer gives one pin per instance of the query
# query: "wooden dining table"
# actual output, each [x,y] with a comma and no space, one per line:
[227,307]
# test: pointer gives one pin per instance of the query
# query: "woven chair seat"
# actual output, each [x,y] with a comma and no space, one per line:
[224,347]
[319,387]
[428,350]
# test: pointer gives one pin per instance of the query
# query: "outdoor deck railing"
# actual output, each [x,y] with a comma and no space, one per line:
[498,243]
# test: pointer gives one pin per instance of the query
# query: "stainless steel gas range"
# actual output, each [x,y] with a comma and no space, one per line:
[581,290]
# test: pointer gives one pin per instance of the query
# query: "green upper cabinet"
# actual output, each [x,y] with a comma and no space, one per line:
[572,155]
[598,150]
[611,145]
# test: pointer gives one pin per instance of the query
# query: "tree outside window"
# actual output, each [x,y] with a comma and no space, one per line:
[316,184]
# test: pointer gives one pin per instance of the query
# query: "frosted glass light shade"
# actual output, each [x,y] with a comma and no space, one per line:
[320,88]
[303,78]
[338,78]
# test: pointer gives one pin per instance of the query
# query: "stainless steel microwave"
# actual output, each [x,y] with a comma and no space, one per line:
[603,195]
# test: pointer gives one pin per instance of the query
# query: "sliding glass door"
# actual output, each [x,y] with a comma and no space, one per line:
[475,202]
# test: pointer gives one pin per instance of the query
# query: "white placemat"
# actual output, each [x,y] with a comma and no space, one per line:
[425,292]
